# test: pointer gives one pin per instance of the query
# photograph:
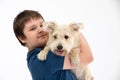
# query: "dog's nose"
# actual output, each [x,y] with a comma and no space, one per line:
[59,47]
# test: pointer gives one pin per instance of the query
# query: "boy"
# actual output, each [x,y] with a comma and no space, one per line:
[27,27]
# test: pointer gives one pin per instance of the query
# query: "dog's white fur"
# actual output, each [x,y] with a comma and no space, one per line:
[63,39]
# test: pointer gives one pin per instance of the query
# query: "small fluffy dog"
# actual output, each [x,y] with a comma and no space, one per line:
[63,39]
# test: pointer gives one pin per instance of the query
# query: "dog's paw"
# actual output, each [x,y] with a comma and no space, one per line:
[41,56]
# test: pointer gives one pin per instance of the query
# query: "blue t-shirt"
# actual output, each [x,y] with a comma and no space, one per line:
[50,69]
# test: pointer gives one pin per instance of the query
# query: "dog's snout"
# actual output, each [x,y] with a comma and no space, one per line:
[59,47]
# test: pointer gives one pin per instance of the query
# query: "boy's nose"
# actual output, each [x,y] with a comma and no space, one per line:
[40,29]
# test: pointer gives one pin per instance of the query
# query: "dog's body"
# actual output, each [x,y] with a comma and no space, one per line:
[63,39]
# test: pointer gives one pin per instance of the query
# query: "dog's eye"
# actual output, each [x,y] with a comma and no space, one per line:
[55,36]
[66,36]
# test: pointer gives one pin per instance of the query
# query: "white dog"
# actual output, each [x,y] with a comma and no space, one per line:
[63,39]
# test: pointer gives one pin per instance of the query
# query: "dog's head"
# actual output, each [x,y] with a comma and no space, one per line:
[62,37]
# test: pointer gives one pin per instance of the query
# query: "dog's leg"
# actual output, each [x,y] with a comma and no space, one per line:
[74,56]
[43,54]
[88,75]
[83,73]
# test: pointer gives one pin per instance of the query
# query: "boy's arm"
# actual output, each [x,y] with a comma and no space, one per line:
[85,56]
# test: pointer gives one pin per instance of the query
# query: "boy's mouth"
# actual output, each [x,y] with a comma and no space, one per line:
[43,35]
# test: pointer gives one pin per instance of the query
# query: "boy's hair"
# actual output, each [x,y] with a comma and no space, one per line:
[21,19]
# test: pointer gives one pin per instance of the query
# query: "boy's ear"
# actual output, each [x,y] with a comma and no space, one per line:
[21,39]
[49,26]
[76,26]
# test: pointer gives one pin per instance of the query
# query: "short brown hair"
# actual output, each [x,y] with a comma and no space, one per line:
[21,19]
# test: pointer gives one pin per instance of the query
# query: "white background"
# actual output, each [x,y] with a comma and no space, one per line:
[102,31]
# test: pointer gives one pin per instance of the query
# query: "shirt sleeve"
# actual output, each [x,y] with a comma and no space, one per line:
[54,62]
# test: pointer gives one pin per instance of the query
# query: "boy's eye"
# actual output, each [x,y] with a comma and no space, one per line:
[41,25]
[33,28]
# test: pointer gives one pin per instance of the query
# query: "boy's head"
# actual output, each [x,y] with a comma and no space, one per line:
[21,19]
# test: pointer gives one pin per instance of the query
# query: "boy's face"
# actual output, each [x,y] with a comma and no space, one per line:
[35,36]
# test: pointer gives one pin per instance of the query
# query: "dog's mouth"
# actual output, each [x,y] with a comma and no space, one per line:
[59,52]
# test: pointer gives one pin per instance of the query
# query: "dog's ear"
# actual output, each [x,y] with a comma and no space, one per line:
[49,26]
[76,26]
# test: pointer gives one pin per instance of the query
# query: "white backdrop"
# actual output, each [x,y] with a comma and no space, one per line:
[102,30]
